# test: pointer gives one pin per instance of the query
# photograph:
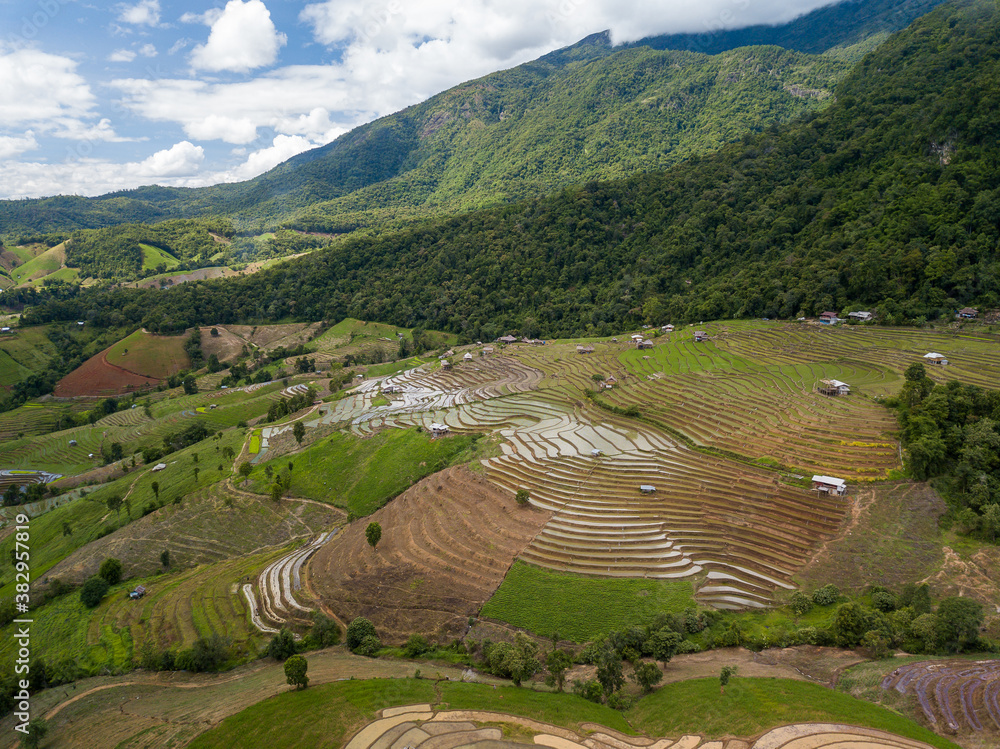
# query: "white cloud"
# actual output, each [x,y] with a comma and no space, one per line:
[37,88]
[283,147]
[221,127]
[243,37]
[180,160]
[148,50]
[14,145]
[146,13]
[121,55]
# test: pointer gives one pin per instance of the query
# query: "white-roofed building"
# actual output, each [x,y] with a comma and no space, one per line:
[830,485]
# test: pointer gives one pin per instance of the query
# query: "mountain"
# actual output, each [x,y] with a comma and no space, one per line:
[590,111]
[889,198]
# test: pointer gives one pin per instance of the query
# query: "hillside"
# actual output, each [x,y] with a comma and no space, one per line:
[589,111]
[887,198]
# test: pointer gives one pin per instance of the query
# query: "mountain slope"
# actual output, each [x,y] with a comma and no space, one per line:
[589,111]
[890,197]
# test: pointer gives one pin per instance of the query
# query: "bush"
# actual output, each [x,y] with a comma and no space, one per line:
[369,646]
[416,646]
[357,631]
[827,595]
[282,645]
[883,600]
[184,660]
[325,631]
[589,690]
[800,603]
[111,570]
[620,701]
[93,591]
[522,497]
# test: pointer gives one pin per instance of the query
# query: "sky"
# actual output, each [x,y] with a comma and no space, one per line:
[102,97]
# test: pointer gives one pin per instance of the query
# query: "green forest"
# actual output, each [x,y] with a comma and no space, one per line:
[889,198]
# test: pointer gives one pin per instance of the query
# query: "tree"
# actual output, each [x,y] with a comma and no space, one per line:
[190,387]
[276,491]
[663,644]
[725,675]
[558,663]
[165,557]
[295,671]
[609,670]
[646,675]
[67,529]
[374,534]
[114,503]
[37,728]
[299,431]
[245,470]
[93,591]
[282,645]
[522,497]
[959,620]
[155,486]
[196,470]
[325,631]
[111,570]
[358,630]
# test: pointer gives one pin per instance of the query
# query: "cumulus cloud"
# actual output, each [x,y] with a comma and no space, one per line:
[37,87]
[180,160]
[282,147]
[15,145]
[242,38]
[121,55]
[146,13]
[148,50]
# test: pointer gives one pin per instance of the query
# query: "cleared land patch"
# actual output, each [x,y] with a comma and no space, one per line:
[446,545]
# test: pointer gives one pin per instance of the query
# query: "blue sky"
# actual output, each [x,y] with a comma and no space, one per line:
[101,97]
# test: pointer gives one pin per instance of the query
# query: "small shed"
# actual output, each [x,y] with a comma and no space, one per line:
[647,488]
[389,389]
[637,337]
[445,364]
[668,328]
[584,349]
[487,350]
[596,453]
[159,467]
[829,485]
[439,428]
[968,313]
[72,443]
[138,593]
[700,335]
[468,356]
[829,318]
[860,316]
[834,387]
[5,329]
[507,339]
[935,358]
[645,344]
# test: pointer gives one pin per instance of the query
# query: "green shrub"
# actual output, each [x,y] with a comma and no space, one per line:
[111,570]
[357,631]
[93,591]
[369,646]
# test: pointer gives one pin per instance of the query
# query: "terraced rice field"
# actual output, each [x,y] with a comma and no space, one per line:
[953,695]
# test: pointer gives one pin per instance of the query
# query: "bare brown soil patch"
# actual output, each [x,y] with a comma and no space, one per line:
[890,537]
[270,336]
[98,377]
[202,274]
[447,543]
[8,260]
[226,345]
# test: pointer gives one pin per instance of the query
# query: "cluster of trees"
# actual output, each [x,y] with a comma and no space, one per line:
[96,587]
[284,406]
[952,431]
[887,199]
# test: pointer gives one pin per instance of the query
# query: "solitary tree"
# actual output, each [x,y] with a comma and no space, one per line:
[155,486]
[165,557]
[37,728]
[522,497]
[664,643]
[374,534]
[196,469]
[93,591]
[299,431]
[558,662]
[67,529]
[646,675]
[245,469]
[295,671]
[111,570]
[276,491]
[114,503]
[727,673]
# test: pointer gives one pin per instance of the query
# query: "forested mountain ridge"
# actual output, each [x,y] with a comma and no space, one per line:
[890,198]
[590,111]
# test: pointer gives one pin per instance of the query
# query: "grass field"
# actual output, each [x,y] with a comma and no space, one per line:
[580,608]
[153,257]
[337,710]
[751,706]
[150,355]
[361,475]
[26,352]
[41,265]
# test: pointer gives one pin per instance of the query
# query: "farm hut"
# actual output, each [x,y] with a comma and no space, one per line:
[72,443]
[968,313]
[389,389]
[446,354]
[438,429]
[80,323]
[829,485]
[5,329]
[645,344]
[445,364]
[488,350]
[829,318]
[668,328]
[468,356]
[834,387]
[647,488]
[700,335]
[584,349]
[507,339]
[138,593]
[934,358]
[159,467]
[637,338]
[596,453]
[860,316]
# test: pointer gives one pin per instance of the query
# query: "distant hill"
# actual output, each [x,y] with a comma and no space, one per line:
[589,111]
[889,198]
